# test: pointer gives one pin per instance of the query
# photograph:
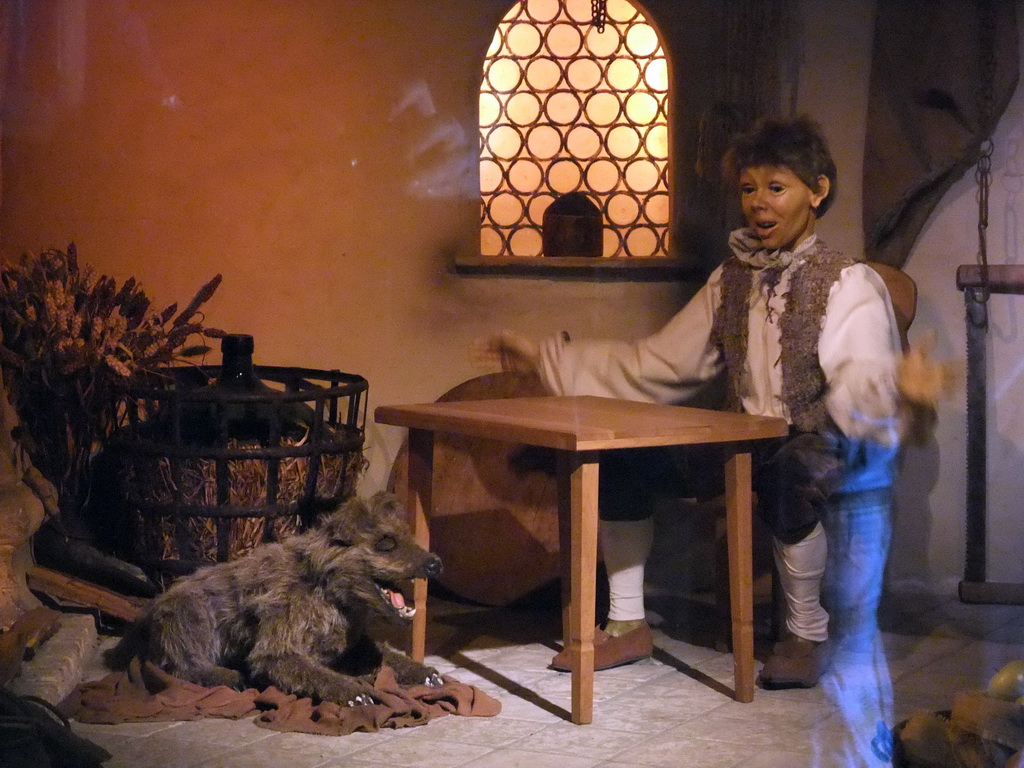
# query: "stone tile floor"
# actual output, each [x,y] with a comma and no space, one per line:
[672,711]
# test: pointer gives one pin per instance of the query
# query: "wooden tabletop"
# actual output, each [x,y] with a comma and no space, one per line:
[582,423]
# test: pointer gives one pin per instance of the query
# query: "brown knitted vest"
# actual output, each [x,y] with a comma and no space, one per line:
[803,381]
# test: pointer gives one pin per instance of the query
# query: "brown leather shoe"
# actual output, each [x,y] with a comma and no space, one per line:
[795,663]
[612,651]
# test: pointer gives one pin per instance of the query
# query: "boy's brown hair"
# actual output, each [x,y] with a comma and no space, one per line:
[797,144]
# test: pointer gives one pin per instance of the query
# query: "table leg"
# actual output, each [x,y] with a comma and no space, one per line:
[419,486]
[738,525]
[577,478]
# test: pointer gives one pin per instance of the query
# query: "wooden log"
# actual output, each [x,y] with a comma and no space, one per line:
[64,587]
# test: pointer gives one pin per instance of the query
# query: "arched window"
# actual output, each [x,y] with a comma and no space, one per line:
[566,108]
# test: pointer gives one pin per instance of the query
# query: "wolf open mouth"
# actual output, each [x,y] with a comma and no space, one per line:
[394,597]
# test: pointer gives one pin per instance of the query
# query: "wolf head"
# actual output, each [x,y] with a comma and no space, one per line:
[364,553]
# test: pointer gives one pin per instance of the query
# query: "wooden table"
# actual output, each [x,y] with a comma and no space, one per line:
[579,428]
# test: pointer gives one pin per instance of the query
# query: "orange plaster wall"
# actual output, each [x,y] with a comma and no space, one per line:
[320,154]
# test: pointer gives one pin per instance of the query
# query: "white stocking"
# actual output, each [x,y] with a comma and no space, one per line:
[626,545]
[801,567]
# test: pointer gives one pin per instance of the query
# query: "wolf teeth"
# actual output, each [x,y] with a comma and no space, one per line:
[403,610]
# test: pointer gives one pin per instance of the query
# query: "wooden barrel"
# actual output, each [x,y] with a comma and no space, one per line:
[495,504]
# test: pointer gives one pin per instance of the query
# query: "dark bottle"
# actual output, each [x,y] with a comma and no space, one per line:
[236,370]
[252,420]
[244,420]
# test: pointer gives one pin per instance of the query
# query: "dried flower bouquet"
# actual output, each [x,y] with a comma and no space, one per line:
[72,343]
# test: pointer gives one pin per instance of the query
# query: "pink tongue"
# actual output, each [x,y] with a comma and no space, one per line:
[397,599]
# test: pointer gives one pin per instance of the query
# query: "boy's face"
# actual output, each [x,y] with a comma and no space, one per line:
[778,206]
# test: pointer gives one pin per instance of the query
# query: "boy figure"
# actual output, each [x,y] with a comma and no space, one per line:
[800,332]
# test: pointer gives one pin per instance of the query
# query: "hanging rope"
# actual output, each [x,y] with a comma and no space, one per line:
[599,10]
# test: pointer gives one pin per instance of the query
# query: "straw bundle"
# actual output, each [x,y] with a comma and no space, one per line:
[149,481]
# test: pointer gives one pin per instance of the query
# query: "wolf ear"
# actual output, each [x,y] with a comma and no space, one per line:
[384,502]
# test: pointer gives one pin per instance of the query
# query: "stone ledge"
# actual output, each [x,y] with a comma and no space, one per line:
[59,663]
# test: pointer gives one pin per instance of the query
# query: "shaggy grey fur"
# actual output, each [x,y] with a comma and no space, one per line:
[293,614]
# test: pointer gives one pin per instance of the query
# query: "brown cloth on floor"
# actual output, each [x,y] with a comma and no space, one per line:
[146,693]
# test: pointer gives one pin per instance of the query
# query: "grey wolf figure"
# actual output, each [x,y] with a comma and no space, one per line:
[293,614]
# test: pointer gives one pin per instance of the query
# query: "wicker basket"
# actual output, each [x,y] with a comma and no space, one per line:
[190,503]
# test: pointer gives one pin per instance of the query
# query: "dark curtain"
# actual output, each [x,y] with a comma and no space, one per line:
[942,73]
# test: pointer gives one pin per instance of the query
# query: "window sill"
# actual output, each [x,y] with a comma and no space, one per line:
[583,268]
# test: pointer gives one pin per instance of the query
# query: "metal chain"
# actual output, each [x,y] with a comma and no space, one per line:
[599,12]
[986,101]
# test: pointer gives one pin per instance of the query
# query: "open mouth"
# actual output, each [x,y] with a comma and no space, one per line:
[396,600]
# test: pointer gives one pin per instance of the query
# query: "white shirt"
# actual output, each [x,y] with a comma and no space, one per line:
[858,350]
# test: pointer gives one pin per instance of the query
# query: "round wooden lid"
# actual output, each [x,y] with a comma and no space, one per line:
[494,521]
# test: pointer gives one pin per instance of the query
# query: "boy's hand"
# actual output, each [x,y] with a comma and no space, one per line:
[922,379]
[923,382]
[507,350]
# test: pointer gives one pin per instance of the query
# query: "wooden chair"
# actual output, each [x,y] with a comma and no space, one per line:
[902,293]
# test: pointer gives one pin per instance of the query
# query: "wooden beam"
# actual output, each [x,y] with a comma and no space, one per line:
[64,587]
[1002,278]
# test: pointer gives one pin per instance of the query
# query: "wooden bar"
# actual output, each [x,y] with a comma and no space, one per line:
[1002,278]
[739,534]
[582,484]
[419,493]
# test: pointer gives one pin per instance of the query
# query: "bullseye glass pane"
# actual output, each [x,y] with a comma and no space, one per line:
[580,11]
[564,176]
[656,75]
[602,44]
[656,143]
[656,209]
[623,141]
[563,41]
[623,74]
[524,40]
[505,142]
[640,242]
[543,10]
[490,242]
[490,109]
[584,75]
[621,11]
[506,209]
[602,176]
[544,142]
[490,176]
[543,75]
[623,209]
[641,40]
[504,74]
[583,142]
[642,175]
[525,242]
[612,242]
[641,108]
[525,176]
[563,108]
[495,47]
[536,208]
[602,108]
[523,108]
